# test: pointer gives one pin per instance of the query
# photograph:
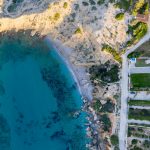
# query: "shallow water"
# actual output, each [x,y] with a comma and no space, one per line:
[40,105]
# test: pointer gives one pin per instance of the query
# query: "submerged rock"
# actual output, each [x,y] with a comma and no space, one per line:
[2,89]
[57,134]
[4,134]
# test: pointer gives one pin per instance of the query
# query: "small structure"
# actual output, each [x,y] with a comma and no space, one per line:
[133,60]
[142,18]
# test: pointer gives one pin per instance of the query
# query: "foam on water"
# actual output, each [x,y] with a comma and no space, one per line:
[40,102]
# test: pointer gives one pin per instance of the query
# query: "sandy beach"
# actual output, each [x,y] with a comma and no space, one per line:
[79,73]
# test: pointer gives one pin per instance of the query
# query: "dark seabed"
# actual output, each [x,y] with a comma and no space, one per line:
[40,104]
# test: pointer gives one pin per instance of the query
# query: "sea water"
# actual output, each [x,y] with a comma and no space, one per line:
[40,104]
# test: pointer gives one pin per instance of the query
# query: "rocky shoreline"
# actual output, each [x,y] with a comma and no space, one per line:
[93,125]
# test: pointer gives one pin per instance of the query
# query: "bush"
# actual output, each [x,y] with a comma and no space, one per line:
[114,140]
[106,73]
[109,107]
[120,16]
[97,105]
[138,6]
[56,16]
[139,103]
[112,51]
[144,9]
[100,2]
[134,141]
[135,55]
[124,4]
[139,114]
[146,144]
[65,5]
[85,3]
[78,31]
[106,122]
[137,31]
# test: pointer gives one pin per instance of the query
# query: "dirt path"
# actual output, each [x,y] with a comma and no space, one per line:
[139,121]
[140,70]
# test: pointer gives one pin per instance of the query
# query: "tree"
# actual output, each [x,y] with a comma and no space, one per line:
[114,140]
[119,16]
[65,5]
[56,16]
[134,141]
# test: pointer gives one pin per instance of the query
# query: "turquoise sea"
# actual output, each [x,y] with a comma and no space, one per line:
[40,104]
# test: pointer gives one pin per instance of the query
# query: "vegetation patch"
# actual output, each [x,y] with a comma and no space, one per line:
[65,5]
[139,103]
[124,4]
[100,2]
[105,73]
[97,105]
[108,107]
[113,52]
[78,31]
[144,49]
[114,140]
[141,7]
[56,16]
[137,31]
[140,81]
[119,16]
[139,114]
[135,54]
[142,63]
[106,123]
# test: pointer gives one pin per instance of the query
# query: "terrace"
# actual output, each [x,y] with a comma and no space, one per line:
[139,102]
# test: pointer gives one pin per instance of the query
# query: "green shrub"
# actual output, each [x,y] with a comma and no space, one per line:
[106,122]
[120,16]
[78,31]
[109,107]
[146,144]
[144,9]
[97,105]
[112,51]
[134,141]
[85,3]
[106,72]
[138,7]
[139,114]
[114,140]
[137,31]
[139,103]
[65,5]
[124,4]
[140,81]
[100,2]
[135,54]
[56,16]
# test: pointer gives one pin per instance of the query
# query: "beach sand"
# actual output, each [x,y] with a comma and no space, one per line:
[79,73]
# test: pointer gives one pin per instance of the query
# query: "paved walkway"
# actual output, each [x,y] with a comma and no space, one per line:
[140,70]
[139,121]
[141,95]
[140,107]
